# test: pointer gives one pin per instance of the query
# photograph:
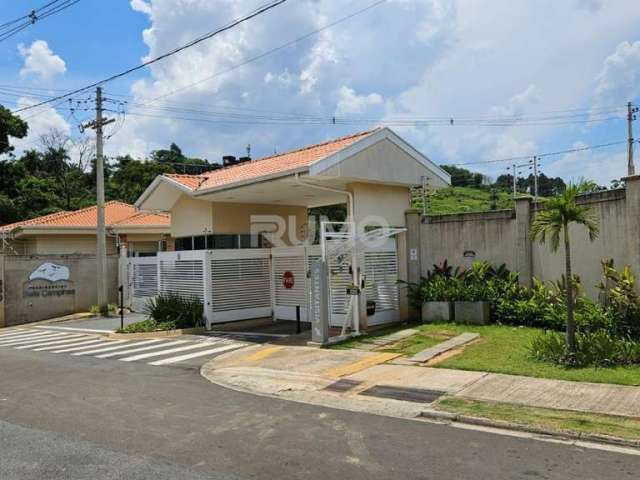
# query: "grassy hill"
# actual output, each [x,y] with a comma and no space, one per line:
[462,200]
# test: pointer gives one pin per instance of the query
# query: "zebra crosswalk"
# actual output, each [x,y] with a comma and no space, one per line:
[154,351]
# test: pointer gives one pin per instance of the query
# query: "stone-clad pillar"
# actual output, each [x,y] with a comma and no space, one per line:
[412,241]
[523,247]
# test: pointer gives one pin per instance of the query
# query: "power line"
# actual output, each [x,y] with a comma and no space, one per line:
[548,154]
[196,41]
[35,16]
[271,51]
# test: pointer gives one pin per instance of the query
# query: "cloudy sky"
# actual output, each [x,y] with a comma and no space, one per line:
[464,81]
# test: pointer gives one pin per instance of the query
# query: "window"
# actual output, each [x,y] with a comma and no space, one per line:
[184,243]
[199,243]
[219,241]
[225,241]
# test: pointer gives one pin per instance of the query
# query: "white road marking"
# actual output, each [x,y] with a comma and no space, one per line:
[74,329]
[141,349]
[118,347]
[32,339]
[25,335]
[88,345]
[40,343]
[13,333]
[249,334]
[75,343]
[164,352]
[181,358]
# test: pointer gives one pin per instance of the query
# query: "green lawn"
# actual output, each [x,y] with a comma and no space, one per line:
[503,349]
[464,199]
[559,420]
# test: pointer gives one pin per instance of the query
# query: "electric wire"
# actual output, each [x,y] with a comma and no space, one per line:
[224,28]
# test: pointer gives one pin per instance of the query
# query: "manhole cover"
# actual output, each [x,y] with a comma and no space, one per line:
[407,394]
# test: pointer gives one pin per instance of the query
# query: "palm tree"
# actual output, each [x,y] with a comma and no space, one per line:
[558,214]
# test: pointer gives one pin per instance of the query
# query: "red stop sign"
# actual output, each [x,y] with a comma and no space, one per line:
[288,279]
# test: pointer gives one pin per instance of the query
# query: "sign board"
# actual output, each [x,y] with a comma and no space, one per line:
[413,254]
[288,279]
[48,280]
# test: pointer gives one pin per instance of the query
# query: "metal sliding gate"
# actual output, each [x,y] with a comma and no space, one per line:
[256,283]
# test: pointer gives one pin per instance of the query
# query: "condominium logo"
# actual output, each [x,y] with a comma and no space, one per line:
[49,280]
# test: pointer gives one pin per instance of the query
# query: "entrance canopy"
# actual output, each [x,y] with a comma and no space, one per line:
[364,164]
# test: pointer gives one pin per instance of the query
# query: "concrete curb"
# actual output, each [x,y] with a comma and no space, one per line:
[159,334]
[485,422]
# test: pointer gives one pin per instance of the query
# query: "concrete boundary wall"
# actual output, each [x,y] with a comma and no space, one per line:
[39,287]
[503,237]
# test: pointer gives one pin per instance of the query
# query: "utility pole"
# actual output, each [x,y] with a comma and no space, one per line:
[425,187]
[101,234]
[515,190]
[535,182]
[631,110]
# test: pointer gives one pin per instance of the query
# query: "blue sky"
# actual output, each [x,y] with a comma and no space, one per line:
[567,75]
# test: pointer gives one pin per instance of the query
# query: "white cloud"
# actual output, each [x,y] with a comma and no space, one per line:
[42,120]
[619,79]
[350,102]
[39,60]
[599,166]
[402,59]
[141,6]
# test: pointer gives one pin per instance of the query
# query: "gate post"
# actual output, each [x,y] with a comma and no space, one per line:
[2,303]
[208,290]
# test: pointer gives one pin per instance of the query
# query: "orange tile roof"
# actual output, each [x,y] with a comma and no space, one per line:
[282,162]
[116,213]
[145,219]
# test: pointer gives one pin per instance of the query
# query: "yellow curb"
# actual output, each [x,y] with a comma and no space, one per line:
[261,354]
[361,364]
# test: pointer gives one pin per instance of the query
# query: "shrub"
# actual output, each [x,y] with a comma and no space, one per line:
[597,348]
[147,326]
[111,309]
[183,312]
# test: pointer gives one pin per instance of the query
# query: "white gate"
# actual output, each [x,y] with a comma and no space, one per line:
[141,281]
[381,282]
[182,273]
[255,283]
[239,285]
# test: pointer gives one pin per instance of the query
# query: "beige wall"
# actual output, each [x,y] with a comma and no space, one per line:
[613,242]
[384,162]
[498,237]
[61,245]
[236,218]
[193,217]
[30,301]
[491,235]
[190,217]
[388,202]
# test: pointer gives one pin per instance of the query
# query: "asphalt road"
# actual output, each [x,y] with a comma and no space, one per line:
[64,417]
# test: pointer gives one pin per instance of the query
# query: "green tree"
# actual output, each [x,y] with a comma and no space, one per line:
[461,177]
[10,126]
[131,177]
[560,212]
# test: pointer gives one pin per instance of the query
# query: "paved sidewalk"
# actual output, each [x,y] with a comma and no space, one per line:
[309,375]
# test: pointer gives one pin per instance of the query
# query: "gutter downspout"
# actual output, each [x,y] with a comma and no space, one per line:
[354,257]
